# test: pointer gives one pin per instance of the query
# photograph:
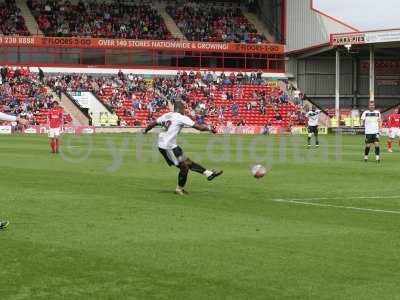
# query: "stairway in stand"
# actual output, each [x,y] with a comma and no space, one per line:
[169,22]
[30,21]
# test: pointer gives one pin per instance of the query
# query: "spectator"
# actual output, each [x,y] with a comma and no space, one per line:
[239,77]
[262,109]
[235,109]
[241,123]
[253,78]
[41,75]
[248,106]
[4,73]
[259,77]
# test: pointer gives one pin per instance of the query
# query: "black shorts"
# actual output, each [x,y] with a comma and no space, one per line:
[313,129]
[371,138]
[174,156]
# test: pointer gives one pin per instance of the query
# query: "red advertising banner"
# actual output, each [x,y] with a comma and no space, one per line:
[104,43]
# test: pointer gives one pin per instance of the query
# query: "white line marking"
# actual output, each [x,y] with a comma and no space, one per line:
[343,198]
[337,206]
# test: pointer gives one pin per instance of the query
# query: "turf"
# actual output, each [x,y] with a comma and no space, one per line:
[100,220]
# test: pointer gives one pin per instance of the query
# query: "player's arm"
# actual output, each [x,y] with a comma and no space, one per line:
[48,119]
[200,127]
[150,126]
[363,119]
[62,120]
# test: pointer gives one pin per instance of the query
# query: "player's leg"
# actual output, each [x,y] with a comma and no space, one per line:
[57,144]
[377,150]
[309,136]
[366,151]
[57,139]
[181,157]
[174,157]
[390,140]
[52,140]
[53,145]
[316,136]
[397,135]
[195,167]
[367,147]
[389,144]
[182,178]
[4,224]
[172,160]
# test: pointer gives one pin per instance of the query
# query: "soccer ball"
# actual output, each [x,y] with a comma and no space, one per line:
[258,171]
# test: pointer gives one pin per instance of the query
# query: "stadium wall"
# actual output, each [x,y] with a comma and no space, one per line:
[144,72]
[307,27]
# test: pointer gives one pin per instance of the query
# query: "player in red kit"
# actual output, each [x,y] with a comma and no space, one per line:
[394,128]
[55,121]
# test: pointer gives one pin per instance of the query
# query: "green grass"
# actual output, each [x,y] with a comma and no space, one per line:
[91,229]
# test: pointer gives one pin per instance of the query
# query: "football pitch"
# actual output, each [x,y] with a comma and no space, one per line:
[101,221]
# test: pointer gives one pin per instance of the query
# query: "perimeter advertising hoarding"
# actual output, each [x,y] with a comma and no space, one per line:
[104,43]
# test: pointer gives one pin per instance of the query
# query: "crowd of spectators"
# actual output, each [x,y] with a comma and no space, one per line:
[115,92]
[115,19]
[11,21]
[222,22]
[208,95]
[23,94]
[213,22]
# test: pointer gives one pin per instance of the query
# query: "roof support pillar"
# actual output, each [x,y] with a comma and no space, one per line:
[372,74]
[337,87]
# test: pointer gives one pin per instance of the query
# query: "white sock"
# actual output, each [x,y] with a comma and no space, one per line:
[207,173]
[377,157]
[365,156]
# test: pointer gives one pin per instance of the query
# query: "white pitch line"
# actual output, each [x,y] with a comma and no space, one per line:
[343,198]
[337,206]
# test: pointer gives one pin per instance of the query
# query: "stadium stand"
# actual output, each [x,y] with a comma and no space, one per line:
[11,21]
[23,94]
[218,99]
[99,19]
[213,22]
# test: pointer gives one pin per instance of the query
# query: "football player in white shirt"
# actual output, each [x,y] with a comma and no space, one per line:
[313,118]
[5,117]
[173,122]
[372,122]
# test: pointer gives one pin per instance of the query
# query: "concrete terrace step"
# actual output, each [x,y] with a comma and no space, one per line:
[30,21]
[260,26]
[169,22]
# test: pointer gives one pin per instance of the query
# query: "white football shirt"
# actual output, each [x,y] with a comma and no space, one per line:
[372,120]
[173,122]
[313,117]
